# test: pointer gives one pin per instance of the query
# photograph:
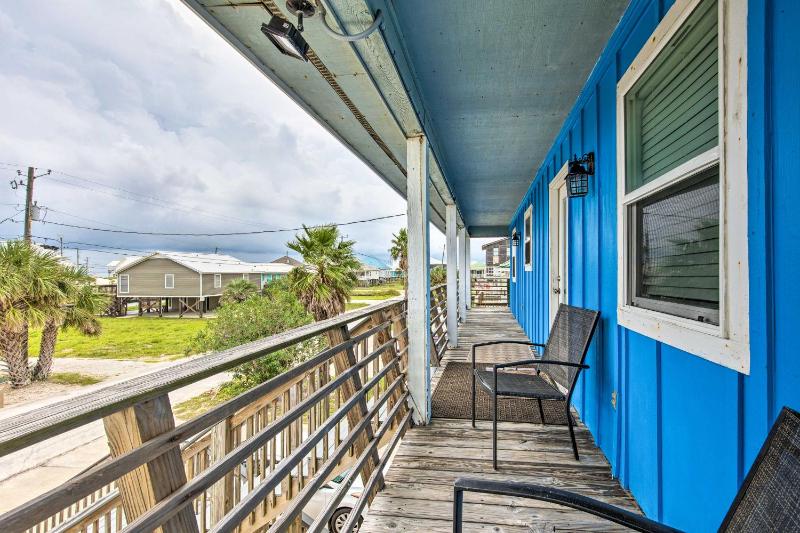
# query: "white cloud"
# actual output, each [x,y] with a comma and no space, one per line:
[143,96]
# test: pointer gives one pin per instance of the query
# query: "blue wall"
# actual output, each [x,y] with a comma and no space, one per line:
[684,431]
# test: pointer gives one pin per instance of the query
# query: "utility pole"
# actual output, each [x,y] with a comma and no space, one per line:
[77,256]
[61,246]
[29,204]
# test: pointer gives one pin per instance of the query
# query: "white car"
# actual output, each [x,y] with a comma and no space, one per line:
[320,500]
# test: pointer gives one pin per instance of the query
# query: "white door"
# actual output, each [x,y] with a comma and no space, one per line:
[560,286]
[559,242]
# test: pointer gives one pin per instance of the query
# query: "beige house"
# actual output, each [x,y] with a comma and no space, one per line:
[182,282]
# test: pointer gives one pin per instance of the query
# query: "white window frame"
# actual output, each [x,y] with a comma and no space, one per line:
[527,237]
[169,281]
[217,281]
[127,283]
[727,344]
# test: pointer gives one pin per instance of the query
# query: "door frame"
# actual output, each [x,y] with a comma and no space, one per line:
[558,181]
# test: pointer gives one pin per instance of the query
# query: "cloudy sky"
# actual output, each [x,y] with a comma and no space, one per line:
[150,122]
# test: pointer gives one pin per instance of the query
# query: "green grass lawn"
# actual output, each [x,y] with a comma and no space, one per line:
[143,338]
[349,306]
[73,378]
[378,292]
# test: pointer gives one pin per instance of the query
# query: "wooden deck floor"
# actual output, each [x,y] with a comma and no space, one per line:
[418,494]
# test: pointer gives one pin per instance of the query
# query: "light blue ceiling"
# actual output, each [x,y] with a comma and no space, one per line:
[489,81]
[492,82]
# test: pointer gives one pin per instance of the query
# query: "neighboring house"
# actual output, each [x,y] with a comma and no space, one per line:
[286,260]
[496,255]
[477,270]
[374,275]
[189,281]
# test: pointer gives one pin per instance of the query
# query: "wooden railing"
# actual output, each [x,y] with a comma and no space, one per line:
[249,464]
[489,291]
[438,339]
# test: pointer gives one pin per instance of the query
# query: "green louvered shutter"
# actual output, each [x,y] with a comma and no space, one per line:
[672,110]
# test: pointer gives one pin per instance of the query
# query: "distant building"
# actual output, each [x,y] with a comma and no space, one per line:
[286,260]
[189,281]
[496,256]
[370,274]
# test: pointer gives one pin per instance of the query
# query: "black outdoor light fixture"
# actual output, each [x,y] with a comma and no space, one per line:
[283,34]
[515,238]
[578,173]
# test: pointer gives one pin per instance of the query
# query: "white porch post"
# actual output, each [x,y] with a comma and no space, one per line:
[468,299]
[451,230]
[463,273]
[418,319]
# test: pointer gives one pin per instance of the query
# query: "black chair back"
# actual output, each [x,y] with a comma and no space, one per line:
[769,498]
[568,342]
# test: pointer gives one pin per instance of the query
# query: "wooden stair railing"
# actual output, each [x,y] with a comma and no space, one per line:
[254,460]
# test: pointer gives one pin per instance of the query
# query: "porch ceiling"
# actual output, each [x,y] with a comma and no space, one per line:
[489,81]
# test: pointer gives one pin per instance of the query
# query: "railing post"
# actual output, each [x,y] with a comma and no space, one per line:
[222,491]
[343,361]
[145,486]
[451,228]
[468,289]
[463,273]
[419,370]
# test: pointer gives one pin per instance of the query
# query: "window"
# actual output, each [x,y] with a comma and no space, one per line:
[514,264]
[677,182]
[169,281]
[123,283]
[246,276]
[527,242]
[217,281]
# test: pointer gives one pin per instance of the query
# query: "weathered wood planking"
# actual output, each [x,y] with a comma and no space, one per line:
[418,494]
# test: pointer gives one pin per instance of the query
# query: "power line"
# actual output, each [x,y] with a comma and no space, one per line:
[144,198]
[226,234]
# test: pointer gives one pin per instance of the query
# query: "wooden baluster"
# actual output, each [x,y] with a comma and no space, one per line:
[150,483]
[222,490]
[343,361]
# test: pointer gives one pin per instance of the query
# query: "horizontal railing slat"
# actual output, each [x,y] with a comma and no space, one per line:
[27,429]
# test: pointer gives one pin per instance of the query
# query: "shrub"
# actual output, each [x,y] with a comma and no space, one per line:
[237,323]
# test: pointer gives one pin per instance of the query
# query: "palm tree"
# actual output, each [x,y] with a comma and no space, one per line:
[399,253]
[326,280]
[84,303]
[30,292]
[238,291]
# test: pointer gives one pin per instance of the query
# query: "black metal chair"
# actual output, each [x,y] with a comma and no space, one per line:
[768,500]
[561,362]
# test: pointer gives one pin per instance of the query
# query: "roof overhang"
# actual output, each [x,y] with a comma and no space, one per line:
[489,83]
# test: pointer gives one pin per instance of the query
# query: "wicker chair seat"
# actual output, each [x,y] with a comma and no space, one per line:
[519,385]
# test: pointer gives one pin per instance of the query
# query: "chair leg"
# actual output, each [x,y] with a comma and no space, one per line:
[473,398]
[494,430]
[572,434]
[541,411]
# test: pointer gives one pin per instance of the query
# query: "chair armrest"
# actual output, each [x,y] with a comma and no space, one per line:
[539,362]
[492,343]
[557,496]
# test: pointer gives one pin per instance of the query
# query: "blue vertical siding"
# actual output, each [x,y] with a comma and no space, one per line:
[684,431]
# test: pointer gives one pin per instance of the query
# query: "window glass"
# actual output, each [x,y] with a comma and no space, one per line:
[528,230]
[123,283]
[677,248]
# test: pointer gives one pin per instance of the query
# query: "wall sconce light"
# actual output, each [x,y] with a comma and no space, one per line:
[578,173]
[515,238]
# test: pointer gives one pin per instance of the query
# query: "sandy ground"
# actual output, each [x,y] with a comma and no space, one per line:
[37,469]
